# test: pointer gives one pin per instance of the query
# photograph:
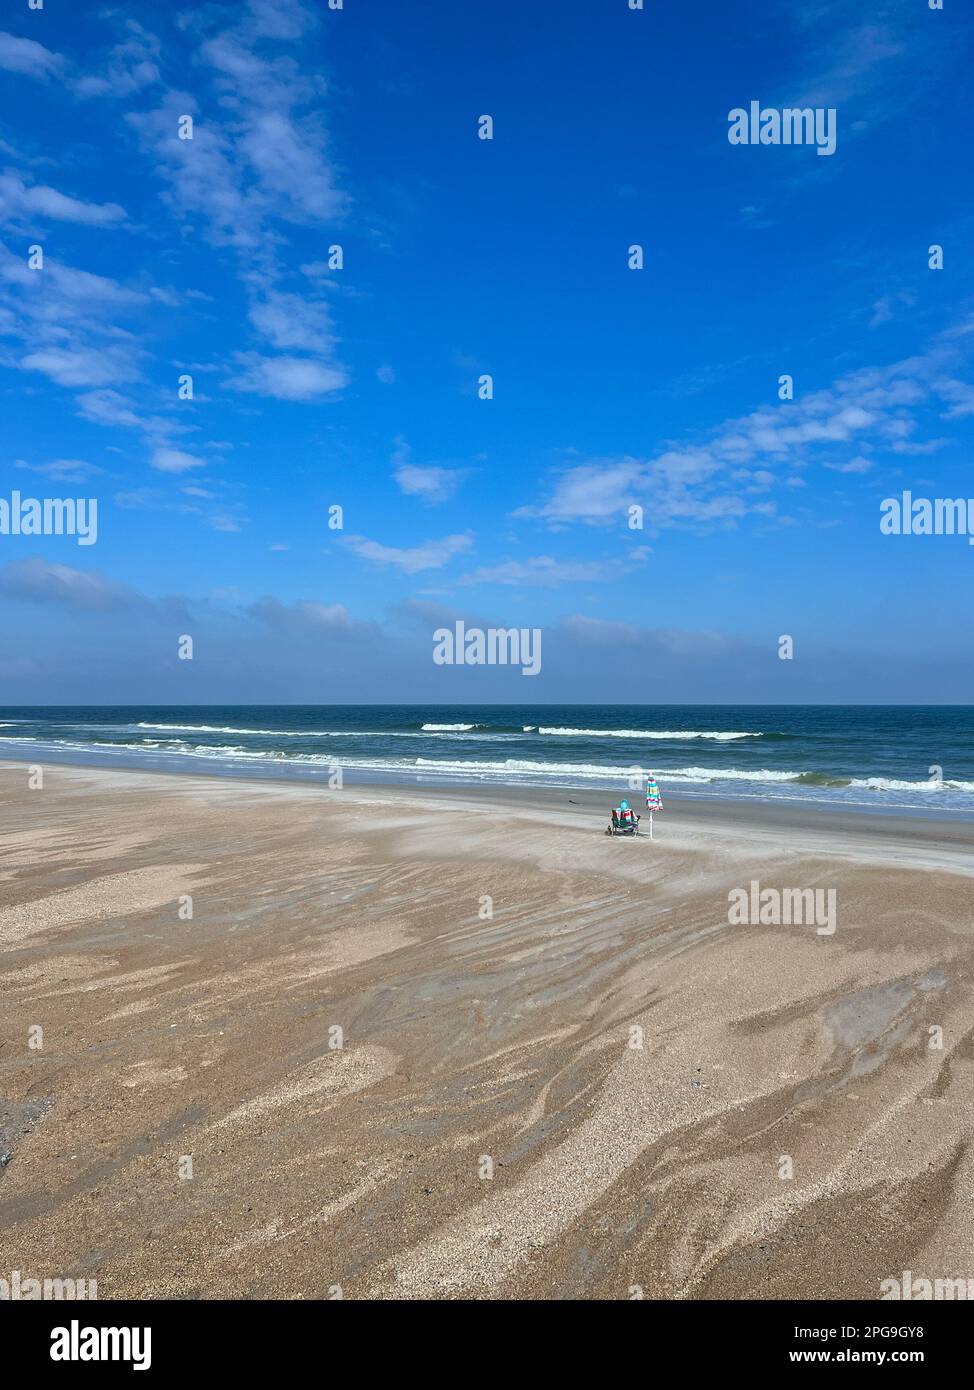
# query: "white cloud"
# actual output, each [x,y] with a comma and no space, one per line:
[886,306]
[961,397]
[19,200]
[308,618]
[28,57]
[109,408]
[258,161]
[715,480]
[287,156]
[175,461]
[68,321]
[924,446]
[36,581]
[201,172]
[593,491]
[131,66]
[279,19]
[410,560]
[264,161]
[850,63]
[855,465]
[65,289]
[81,366]
[63,470]
[431,484]
[544,571]
[289,322]
[287,378]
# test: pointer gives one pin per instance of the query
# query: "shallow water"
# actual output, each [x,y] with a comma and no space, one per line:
[907,757]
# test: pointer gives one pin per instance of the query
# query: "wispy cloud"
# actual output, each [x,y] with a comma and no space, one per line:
[64,470]
[430,483]
[83,365]
[175,461]
[111,408]
[853,465]
[856,63]
[22,203]
[309,618]
[549,572]
[286,378]
[959,396]
[410,559]
[131,66]
[37,581]
[28,57]
[69,319]
[289,322]
[257,163]
[720,478]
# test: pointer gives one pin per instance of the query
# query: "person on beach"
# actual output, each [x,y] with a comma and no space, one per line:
[623,815]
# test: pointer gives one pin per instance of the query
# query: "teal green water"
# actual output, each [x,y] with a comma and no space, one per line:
[899,757]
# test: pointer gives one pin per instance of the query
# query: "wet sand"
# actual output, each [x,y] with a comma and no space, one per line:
[516,994]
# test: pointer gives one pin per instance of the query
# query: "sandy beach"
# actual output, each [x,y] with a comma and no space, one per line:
[423,1044]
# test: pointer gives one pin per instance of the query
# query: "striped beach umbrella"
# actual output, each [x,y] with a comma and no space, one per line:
[654,800]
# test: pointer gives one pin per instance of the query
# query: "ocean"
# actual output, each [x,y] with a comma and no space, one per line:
[896,757]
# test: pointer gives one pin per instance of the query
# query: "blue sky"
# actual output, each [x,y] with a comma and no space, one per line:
[358,386]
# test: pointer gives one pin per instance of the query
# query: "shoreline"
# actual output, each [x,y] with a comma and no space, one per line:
[796,811]
[591,807]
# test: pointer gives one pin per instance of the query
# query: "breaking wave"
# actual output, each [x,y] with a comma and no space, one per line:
[719,737]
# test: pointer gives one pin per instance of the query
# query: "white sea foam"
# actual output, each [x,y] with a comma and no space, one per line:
[682,774]
[896,784]
[287,733]
[719,737]
[181,743]
[449,728]
[227,729]
[479,767]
